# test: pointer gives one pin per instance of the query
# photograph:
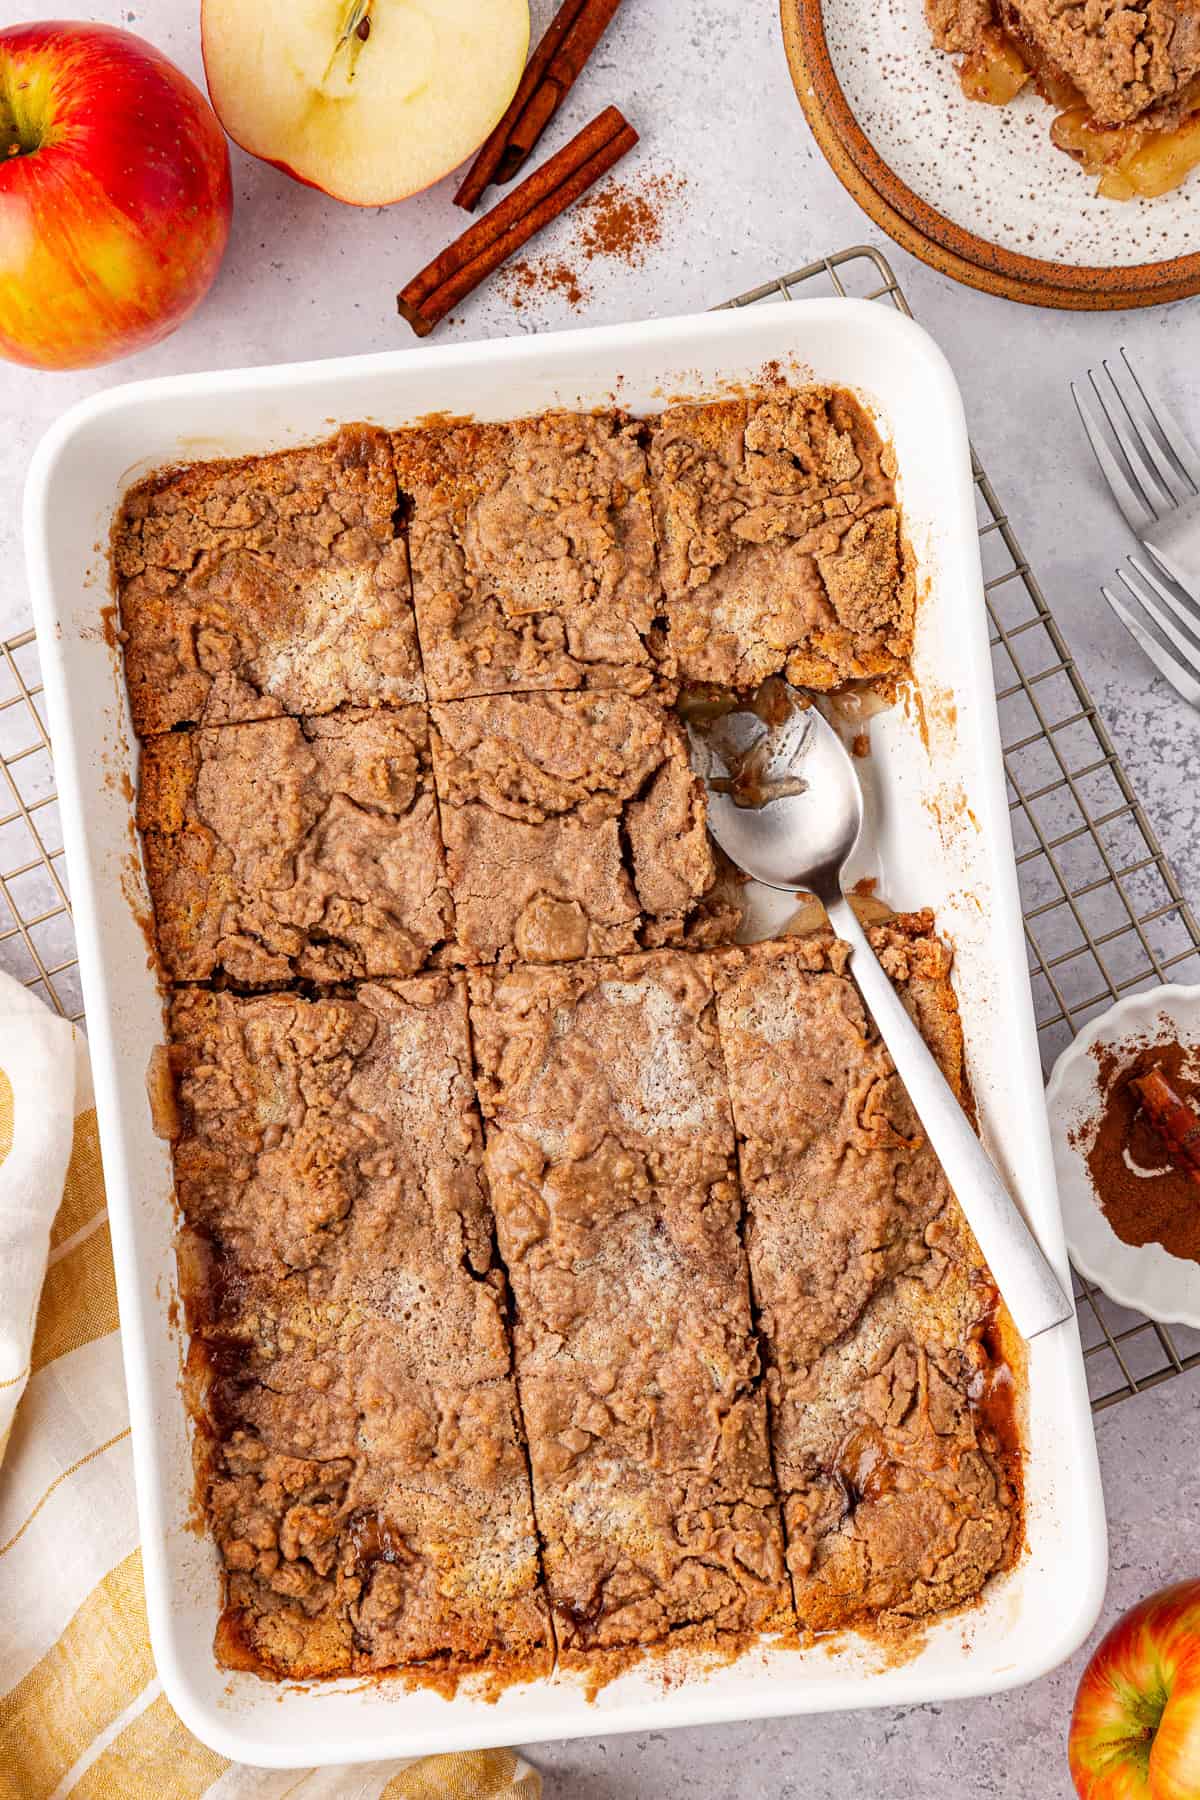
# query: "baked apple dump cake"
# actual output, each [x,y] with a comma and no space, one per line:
[1123,76]
[563,1279]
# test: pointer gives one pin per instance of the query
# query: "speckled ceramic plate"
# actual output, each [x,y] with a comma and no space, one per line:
[978,192]
[1148,1279]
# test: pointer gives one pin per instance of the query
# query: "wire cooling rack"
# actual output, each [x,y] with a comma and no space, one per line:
[1104,914]
[37,943]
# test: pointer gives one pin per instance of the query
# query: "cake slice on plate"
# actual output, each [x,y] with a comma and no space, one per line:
[1123,74]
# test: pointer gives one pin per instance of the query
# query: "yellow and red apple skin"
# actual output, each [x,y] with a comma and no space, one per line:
[115,194]
[1135,1730]
[1175,1758]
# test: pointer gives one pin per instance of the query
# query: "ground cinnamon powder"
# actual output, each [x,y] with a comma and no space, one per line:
[524,281]
[624,219]
[1144,1198]
[622,222]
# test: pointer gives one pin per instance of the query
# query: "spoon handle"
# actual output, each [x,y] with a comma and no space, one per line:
[1031,1289]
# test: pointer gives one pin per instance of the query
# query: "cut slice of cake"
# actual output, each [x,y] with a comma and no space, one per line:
[265,586]
[1123,74]
[610,1157]
[295,849]
[360,1453]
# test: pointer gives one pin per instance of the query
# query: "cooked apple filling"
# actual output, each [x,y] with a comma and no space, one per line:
[1128,114]
[994,70]
[1132,161]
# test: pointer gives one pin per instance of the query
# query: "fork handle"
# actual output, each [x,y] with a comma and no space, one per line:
[1031,1290]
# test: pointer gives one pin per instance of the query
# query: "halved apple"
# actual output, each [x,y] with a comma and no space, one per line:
[368,100]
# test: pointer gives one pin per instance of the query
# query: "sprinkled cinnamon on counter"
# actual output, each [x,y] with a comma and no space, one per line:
[525,281]
[624,219]
[622,222]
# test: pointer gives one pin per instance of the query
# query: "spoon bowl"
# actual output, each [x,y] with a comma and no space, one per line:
[786,806]
[797,838]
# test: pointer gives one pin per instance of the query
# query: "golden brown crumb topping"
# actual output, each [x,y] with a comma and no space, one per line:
[533,555]
[958,25]
[295,849]
[275,584]
[1124,56]
[362,1467]
[573,827]
[780,541]
[610,1161]
[872,1298]
[1124,74]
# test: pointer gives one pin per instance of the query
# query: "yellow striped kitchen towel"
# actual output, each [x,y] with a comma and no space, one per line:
[81,1710]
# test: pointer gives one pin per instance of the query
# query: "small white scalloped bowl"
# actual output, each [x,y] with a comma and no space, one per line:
[1148,1279]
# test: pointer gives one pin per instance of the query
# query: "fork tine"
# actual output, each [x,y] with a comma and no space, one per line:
[1130,443]
[1164,662]
[1183,607]
[1184,641]
[1134,510]
[1140,438]
[1169,428]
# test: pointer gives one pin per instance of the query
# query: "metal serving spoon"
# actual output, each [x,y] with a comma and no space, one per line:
[787,808]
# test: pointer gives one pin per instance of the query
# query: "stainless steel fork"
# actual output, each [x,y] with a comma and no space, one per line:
[1176,616]
[1154,472]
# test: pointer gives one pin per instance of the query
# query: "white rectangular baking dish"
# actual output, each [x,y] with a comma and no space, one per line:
[940,814]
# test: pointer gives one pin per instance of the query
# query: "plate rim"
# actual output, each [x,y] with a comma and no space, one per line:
[926,233]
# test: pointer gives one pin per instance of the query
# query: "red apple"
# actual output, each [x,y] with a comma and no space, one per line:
[368,100]
[1135,1731]
[115,195]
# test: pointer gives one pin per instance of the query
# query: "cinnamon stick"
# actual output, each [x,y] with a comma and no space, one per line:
[1177,1123]
[544,102]
[550,73]
[482,171]
[564,70]
[542,197]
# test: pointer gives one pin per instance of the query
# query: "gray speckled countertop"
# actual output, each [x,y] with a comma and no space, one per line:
[708,85]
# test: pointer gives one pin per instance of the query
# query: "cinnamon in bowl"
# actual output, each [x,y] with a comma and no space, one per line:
[1144,1154]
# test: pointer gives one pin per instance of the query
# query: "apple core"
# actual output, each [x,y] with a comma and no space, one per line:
[26,112]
